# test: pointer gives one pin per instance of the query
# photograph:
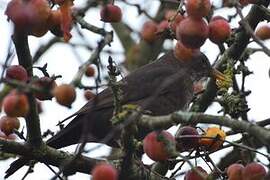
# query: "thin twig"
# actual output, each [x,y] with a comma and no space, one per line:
[249,30]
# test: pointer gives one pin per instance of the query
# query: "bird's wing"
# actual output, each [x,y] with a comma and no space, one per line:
[133,88]
[173,93]
[138,85]
[143,86]
[149,79]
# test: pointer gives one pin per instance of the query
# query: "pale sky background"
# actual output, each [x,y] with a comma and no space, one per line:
[61,60]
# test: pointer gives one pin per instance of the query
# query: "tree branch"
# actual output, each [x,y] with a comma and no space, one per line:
[261,134]
[25,59]
[50,156]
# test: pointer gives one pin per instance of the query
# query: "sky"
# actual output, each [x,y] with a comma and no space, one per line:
[61,54]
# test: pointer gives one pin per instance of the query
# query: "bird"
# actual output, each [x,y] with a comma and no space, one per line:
[159,88]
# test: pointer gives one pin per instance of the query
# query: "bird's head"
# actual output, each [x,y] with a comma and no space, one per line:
[200,67]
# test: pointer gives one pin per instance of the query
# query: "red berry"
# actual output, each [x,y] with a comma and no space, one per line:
[16,104]
[157,144]
[104,172]
[41,10]
[19,13]
[17,72]
[219,30]
[263,32]
[29,16]
[254,171]
[8,124]
[183,53]
[234,171]
[149,31]
[90,71]
[65,94]
[88,95]
[193,174]
[111,13]
[187,143]
[198,8]
[192,32]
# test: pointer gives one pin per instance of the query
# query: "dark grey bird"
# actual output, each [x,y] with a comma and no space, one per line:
[160,88]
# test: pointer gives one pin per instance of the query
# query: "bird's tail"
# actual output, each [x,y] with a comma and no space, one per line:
[71,132]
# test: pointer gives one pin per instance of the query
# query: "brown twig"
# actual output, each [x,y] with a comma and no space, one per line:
[250,31]
[52,156]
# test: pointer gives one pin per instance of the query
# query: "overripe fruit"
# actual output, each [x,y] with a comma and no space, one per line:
[216,137]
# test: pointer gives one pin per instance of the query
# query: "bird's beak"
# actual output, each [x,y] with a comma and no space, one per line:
[218,75]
